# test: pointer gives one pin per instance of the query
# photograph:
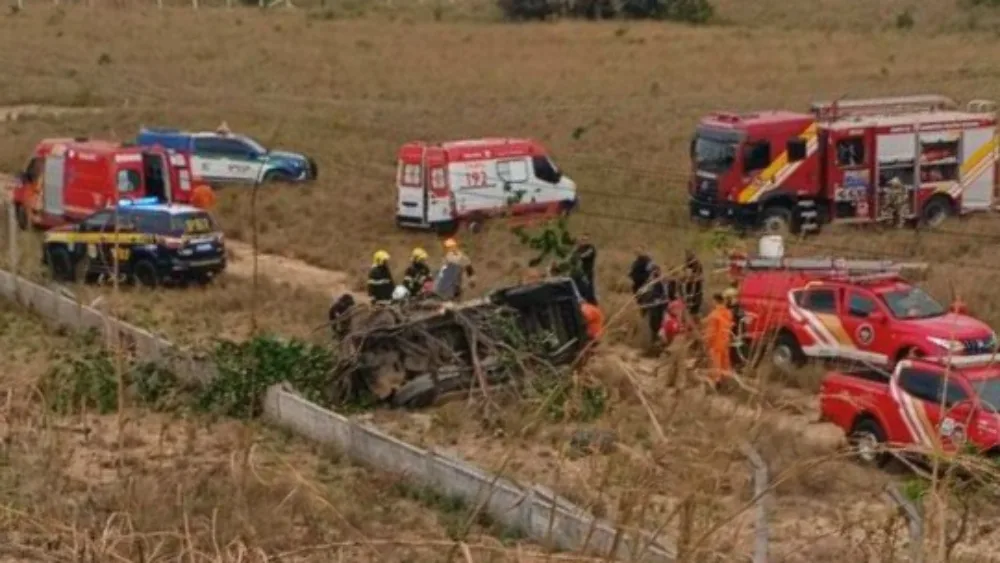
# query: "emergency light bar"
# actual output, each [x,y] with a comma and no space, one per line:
[139,202]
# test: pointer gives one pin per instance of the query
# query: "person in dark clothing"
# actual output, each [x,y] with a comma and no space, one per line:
[653,302]
[417,273]
[586,254]
[694,278]
[380,283]
[338,315]
[639,273]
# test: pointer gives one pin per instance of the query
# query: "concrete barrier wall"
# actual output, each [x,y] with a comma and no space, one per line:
[535,511]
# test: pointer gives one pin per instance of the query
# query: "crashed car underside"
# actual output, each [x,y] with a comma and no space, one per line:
[410,355]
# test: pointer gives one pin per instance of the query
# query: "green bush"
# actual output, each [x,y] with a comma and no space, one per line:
[247,369]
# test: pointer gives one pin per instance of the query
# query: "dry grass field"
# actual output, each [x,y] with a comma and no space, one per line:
[348,82]
[351,91]
[147,486]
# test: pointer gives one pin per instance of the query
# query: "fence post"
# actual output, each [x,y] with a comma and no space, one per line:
[761,495]
[12,223]
[914,520]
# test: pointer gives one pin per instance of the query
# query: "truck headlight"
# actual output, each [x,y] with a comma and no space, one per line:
[953,346]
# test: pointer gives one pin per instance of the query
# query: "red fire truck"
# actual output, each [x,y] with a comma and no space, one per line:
[856,310]
[67,179]
[925,405]
[781,170]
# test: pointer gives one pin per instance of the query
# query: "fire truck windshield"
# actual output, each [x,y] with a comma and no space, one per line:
[713,153]
[912,303]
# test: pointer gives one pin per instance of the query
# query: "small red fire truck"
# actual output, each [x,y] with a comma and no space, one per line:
[67,179]
[441,185]
[925,405]
[779,169]
[856,310]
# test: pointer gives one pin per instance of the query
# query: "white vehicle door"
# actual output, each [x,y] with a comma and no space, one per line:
[472,185]
[979,158]
[513,175]
[227,159]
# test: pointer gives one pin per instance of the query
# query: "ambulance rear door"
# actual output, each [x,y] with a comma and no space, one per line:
[411,208]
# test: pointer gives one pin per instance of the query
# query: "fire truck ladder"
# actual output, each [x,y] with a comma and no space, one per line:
[881,106]
[856,270]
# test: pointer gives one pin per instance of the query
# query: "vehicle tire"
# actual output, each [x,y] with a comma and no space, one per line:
[313,170]
[417,393]
[61,265]
[21,216]
[144,273]
[867,439]
[776,220]
[787,355]
[935,212]
[278,176]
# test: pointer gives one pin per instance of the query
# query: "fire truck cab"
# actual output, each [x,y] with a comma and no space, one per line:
[782,170]
[67,179]
[441,185]
[850,310]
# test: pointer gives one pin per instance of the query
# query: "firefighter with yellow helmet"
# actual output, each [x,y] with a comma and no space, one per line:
[418,273]
[380,284]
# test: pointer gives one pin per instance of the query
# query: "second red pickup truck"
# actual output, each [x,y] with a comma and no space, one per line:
[924,405]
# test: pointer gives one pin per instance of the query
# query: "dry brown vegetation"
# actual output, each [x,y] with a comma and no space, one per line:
[615,102]
[145,486]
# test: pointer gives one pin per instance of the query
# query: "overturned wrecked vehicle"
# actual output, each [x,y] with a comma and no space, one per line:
[413,354]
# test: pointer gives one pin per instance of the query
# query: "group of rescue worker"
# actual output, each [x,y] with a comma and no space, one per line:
[418,280]
[671,304]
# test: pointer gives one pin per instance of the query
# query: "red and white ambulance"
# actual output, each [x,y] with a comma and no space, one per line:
[441,185]
[67,179]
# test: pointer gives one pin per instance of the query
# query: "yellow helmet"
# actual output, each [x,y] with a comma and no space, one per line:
[419,254]
[450,244]
[381,257]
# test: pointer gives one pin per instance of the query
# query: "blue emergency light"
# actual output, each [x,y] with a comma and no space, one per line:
[139,202]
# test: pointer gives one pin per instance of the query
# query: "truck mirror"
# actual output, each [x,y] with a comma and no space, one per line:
[796,149]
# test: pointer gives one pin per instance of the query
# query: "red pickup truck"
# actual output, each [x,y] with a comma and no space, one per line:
[859,310]
[924,405]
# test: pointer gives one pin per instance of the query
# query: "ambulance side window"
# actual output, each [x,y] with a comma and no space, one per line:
[545,170]
[514,171]
[851,152]
[756,156]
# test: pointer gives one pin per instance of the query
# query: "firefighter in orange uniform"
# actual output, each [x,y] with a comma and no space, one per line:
[718,337]
[594,318]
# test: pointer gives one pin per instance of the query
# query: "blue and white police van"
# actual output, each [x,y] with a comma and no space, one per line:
[227,158]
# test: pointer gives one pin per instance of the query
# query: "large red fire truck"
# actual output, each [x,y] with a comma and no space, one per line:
[67,179]
[783,170]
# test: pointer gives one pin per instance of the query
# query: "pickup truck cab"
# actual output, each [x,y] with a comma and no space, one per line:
[224,157]
[924,405]
[860,311]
